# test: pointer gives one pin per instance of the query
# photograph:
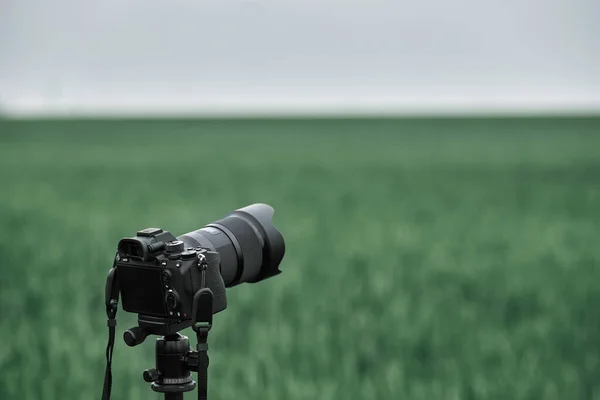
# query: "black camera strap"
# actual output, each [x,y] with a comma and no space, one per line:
[112,302]
[202,314]
[202,360]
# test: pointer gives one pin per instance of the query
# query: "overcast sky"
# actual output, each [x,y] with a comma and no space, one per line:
[155,52]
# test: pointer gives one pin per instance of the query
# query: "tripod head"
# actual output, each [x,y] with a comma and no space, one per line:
[170,375]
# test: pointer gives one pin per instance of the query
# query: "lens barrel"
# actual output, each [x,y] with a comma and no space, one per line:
[250,246]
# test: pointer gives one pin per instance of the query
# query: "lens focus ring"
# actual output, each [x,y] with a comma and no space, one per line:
[249,244]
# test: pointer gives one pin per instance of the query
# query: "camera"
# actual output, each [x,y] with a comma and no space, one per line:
[173,283]
[159,274]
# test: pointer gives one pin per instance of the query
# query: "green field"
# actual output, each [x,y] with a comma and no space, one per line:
[426,259]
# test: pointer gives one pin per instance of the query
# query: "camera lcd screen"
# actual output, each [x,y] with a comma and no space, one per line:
[141,290]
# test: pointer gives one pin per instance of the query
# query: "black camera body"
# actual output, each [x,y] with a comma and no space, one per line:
[159,275]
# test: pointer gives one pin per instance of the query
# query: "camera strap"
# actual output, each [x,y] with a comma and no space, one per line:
[202,314]
[202,360]
[112,301]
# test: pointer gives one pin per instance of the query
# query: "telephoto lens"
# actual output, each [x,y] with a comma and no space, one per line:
[248,243]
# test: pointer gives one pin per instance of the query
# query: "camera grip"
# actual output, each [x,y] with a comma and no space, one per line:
[213,280]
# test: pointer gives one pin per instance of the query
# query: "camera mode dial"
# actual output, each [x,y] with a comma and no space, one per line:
[188,254]
[175,246]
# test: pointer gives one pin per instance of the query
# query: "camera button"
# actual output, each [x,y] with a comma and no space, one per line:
[172,299]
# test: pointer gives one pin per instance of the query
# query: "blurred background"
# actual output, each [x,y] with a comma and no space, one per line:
[434,167]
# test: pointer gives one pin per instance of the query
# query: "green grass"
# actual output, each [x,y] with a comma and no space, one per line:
[426,259]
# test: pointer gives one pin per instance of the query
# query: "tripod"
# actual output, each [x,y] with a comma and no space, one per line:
[174,361]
